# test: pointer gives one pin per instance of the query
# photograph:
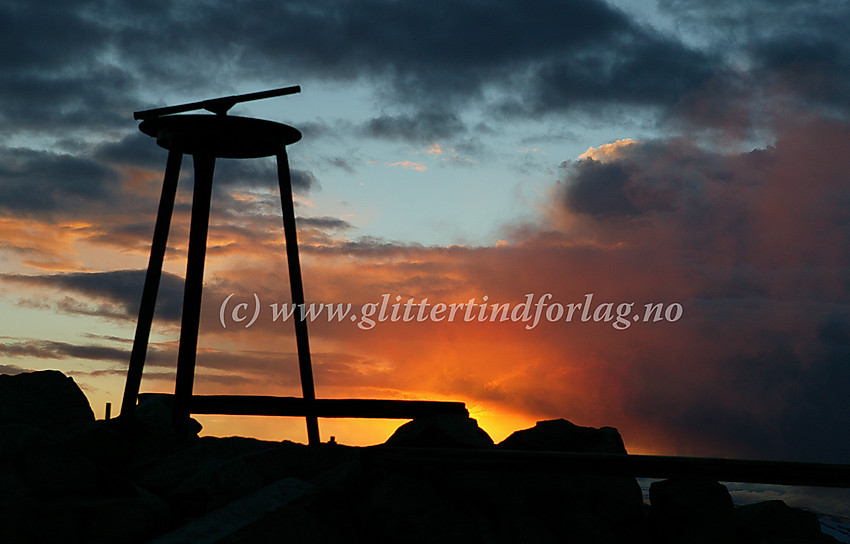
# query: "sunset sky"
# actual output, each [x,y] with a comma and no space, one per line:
[675,152]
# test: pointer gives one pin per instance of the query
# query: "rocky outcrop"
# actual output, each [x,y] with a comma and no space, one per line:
[43,399]
[562,435]
[441,431]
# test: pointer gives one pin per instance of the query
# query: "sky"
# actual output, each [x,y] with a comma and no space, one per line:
[688,156]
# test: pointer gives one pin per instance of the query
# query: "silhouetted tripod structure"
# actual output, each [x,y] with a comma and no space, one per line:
[207,138]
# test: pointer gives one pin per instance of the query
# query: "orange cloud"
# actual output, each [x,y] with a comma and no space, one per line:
[410,165]
[610,151]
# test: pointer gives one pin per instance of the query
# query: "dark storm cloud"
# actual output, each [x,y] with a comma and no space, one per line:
[779,400]
[600,189]
[633,70]
[135,149]
[818,401]
[259,173]
[558,55]
[424,48]
[90,63]
[303,180]
[40,181]
[816,66]
[423,126]
[120,286]
[158,355]
[648,177]
[256,173]
[55,68]
[794,47]
[758,241]
[46,349]
[665,176]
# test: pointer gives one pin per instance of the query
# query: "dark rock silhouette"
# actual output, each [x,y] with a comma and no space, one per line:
[691,511]
[774,521]
[441,431]
[42,399]
[561,435]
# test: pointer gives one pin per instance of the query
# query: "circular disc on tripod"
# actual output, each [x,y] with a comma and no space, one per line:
[222,136]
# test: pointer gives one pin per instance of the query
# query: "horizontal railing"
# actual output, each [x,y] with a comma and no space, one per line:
[253,405]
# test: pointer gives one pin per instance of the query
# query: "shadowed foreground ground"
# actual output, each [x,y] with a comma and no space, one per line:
[68,478]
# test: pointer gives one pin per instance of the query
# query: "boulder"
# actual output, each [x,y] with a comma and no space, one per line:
[44,399]
[691,511]
[775,521]
[562,435]
[441,431]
